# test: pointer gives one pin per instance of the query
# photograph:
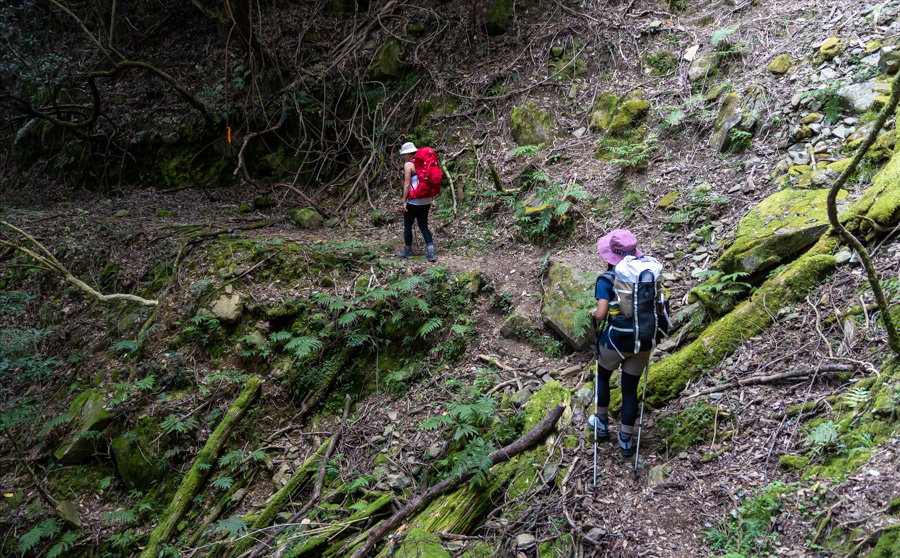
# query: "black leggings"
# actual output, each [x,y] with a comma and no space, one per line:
[629,395]
[418,213]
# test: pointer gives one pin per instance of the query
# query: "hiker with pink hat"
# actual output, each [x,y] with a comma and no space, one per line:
[615,247]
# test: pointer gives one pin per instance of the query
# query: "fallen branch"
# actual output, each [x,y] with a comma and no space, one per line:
[498,184]
[774,378]
[195,478]
[48,262]
[539,432]
[493,361]
[317,491]
[307,199]
[217,232]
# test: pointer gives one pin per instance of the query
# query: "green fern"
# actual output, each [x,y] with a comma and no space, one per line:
[47,529]
[430,326]
[66,542]
[720,36]
[525,150]
[232,527]
[223,483]
[822,435]
[855,397]
[119,517]
[303,346]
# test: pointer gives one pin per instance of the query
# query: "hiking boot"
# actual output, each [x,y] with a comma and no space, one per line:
[627,444]
[429,254]
[406,253]
[599,423]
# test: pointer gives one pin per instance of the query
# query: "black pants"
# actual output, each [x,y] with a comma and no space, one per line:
[419,214]
[629,395]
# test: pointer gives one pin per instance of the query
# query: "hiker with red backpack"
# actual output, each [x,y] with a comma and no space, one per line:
[421,183]
[631,302]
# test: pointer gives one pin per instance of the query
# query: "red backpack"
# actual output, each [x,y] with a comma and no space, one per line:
[429,173]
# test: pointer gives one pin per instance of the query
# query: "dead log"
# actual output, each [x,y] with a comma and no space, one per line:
[538,433]
[776,377]
[317,491]
[203,464]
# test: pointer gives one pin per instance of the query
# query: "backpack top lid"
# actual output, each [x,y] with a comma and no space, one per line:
[630,268]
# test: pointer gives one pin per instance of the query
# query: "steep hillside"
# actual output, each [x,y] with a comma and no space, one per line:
[280,384]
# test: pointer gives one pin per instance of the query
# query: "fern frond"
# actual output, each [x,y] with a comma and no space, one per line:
[855,397]
[66,542]
[408,284]
[303,346]
[430,326]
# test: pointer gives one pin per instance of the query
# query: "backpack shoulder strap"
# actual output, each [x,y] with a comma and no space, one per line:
[609,276]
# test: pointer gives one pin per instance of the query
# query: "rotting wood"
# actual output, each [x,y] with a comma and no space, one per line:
[317,491]
[498,184]
[195,478]
[194,237]
[539,432]
[218,509]
[775,377]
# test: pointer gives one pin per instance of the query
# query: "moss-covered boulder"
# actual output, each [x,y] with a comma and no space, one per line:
[136,456]
[306,218]
[737,112]
[605,109]
[781,226]
[569,296]
[530,126]
[881,202]
[703,66]
[859,97]
[780,65]
[832,47]
[514,325]
[387,64]
[89,417]
[419,542]
[496,20]
[547,398]
[628,117]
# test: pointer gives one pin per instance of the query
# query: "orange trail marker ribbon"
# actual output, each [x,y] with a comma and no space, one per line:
[229,135]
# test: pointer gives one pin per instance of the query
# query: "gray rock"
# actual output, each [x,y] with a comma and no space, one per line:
[703,66]
[122,213]
[584,397]
[841,131]
[434,451]
[871,60]
[569,293]
[843,256]
[521,397]
[307,218]
[88,412]
[397,481]
[387,64]
[549,473]
[828,74]
[858,97]
[515,324]
[524,540]
[737,112]
[228,309]
[596,534]
[889,59]
[823,178]
[380,472]
[579,132]
[657,476]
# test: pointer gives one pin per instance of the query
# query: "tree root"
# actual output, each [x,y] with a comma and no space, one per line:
[774,378]
[196,477]
[539,432]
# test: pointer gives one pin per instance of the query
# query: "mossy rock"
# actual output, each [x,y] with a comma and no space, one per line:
[244,208]
[811,118]
[888,545]
[780,65]
[387,64]
[839,467]
[307,218]
[530,126]
[136,457]
[782,225]
[88,412]
[737,112]
[667,200]
[797,170]
[629,117]
[163,213]
[881,202]
[496,21]
[832,47]
[793,462]
[715,92]
[569,295]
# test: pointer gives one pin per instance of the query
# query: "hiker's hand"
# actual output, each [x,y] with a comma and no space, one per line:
[403,210]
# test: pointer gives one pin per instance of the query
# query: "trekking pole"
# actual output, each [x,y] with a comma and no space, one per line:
[596,394]
[637,451]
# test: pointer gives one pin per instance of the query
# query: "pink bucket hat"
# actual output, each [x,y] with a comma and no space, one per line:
[618,244]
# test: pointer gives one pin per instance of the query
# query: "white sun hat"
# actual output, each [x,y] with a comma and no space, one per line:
[408,147]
